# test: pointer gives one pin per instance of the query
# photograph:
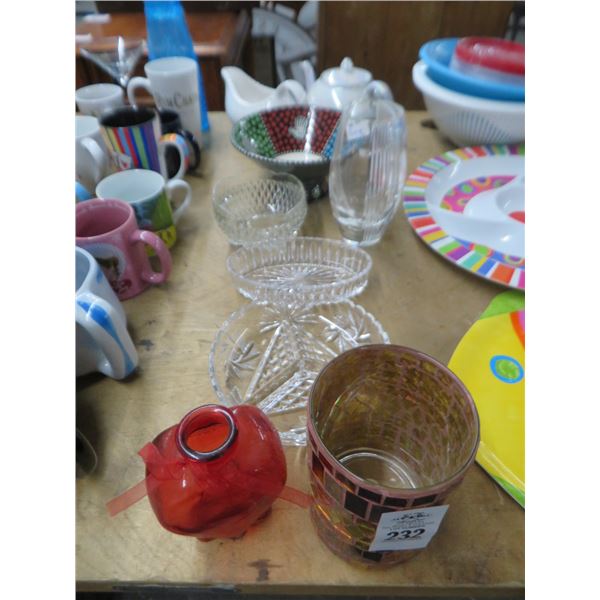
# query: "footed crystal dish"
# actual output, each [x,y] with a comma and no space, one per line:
[300,271]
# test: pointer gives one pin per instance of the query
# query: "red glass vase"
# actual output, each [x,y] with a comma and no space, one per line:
[216,472]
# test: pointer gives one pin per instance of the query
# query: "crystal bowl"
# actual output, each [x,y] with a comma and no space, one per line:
[257,208]
[292,139]
[270,355]
[300,271]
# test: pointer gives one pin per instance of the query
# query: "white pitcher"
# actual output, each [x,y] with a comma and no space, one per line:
[244,95]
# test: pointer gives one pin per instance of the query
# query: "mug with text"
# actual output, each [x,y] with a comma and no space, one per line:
[151,199]
[135,138]
[173,82]
[107,229]
[102,340]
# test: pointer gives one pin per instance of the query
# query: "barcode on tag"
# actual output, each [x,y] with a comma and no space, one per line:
[357,129]
[407,529]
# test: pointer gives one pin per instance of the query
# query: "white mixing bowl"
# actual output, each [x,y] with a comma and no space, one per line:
[468,120]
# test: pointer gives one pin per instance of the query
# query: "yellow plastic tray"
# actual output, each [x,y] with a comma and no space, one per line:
[490,360]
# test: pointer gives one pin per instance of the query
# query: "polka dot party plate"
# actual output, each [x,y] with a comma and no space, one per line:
[468,205]
[293,139]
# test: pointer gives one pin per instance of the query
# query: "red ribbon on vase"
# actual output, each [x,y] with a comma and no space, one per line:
[163,469]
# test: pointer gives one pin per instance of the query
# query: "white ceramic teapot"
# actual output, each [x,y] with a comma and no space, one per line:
[337,87]
[244,95]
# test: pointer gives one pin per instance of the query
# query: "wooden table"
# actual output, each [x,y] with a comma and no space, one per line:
[219,40]
[420,299]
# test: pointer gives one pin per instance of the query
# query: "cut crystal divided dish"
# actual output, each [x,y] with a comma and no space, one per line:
[300,271]
[269,356]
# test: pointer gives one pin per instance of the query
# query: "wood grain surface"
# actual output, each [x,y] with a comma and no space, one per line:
[219,40]
[385,37]
[420,299]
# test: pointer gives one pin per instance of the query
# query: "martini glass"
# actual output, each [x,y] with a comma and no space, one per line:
[116,55]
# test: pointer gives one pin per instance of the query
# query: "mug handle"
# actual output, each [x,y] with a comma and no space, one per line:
[109,331]
[175,184]
[135,83]
[98,156]
[151,239]
[180,144]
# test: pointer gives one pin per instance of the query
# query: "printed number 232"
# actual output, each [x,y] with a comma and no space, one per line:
[405,534]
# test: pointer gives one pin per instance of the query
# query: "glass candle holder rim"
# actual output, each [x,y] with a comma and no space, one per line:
[404,492]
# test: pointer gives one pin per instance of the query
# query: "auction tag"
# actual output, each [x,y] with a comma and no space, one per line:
[357,129]
[407,529]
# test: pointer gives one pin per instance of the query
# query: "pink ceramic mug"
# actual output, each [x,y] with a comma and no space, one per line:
[108,230]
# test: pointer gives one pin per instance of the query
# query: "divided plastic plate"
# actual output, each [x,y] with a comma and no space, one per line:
[468,205]
[437,54]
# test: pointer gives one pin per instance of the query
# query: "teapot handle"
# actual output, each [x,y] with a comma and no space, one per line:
[309,73]
[292,88]
[379,90]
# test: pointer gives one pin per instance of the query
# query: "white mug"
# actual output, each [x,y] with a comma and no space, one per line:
[98,98]
[92,159]
[151,198]
[173,82]
[102,340]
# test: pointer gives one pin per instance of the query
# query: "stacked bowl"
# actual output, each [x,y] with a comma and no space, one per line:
[474,89]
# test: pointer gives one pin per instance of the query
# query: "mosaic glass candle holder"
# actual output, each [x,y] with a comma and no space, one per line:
[389,429]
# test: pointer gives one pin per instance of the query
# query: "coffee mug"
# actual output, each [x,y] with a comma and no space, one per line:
[107,229]
[98,98]
[173,82]
[135,138]
[151,199]
[170,124]
[92,159]
[102,340]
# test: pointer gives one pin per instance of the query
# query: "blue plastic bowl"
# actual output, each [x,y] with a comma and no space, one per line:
[437,54]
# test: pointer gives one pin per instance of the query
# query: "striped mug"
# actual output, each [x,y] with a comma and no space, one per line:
[134,135]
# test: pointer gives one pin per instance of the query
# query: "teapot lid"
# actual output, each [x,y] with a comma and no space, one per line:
[346,75]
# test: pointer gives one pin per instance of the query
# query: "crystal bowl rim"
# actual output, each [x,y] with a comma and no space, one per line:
[257,178]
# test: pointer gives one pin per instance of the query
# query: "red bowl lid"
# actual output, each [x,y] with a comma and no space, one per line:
[492,53]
